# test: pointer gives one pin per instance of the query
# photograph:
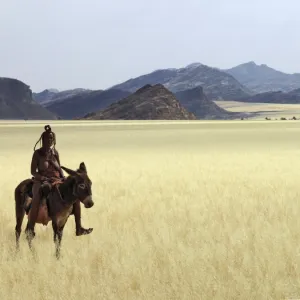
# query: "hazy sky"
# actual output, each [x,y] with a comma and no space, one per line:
[94,44]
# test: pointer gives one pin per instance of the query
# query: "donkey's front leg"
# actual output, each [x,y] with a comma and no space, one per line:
[55,237]
[58,244]
[58,233]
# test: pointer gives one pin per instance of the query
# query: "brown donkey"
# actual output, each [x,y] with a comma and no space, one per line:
[56,203]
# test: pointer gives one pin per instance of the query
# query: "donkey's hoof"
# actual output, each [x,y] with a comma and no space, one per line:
[30,234]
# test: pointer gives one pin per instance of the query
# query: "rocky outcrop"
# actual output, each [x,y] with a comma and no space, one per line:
[83,103]
[216,84]
[195,101]
[261,78]
[16,102]
[147,103]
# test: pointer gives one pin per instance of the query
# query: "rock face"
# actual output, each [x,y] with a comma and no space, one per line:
[195,101]
[77,106]
[16,102]
[261,78]
[217,84]
[147,103]
[292,97]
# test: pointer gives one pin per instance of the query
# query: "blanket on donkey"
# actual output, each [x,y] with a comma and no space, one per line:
[49,195]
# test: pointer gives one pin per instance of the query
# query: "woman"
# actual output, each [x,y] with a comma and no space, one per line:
[45,167]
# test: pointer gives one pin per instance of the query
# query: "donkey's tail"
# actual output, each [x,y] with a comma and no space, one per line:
[23,192]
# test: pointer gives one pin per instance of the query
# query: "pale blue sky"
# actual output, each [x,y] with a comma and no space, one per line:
[98,43]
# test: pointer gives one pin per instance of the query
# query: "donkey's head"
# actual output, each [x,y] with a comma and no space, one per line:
[82,185]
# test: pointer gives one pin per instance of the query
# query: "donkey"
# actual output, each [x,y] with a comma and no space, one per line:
[56,204]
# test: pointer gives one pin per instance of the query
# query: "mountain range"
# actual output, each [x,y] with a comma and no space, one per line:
[216,83]
[193,86]
[292,97]
[81,104]
[52,95]
[156,102]
[261,78]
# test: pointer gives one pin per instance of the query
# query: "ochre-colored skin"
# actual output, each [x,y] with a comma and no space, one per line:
[43,171]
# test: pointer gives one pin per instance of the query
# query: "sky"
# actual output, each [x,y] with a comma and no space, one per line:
[96,44]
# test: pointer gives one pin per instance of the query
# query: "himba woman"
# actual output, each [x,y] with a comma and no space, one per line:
[45,167]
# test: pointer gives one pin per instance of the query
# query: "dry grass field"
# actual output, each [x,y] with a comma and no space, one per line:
[199,210]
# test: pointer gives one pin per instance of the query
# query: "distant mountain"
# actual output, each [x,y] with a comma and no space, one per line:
[16,102]
[295,92]
[292,97]
[51,95]
[261,78]
[43,96]
[147,103]
[53,90]
[195,101]
[216,83]
[80,104]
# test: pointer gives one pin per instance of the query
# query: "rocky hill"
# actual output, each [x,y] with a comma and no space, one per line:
[195,101]
[77,106]
[16,102]
[216,83]
[51,95]
[292,97]
[147,103]
[261,78]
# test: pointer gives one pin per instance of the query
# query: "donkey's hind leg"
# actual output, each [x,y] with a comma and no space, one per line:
[20,212]
[58,233]
[18,229]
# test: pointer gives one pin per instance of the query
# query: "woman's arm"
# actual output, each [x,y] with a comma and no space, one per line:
[58,161]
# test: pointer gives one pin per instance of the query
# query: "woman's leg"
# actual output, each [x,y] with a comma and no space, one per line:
[77,214]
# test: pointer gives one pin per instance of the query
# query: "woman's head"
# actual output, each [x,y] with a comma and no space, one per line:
[47,138]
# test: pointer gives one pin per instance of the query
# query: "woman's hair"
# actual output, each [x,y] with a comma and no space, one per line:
[45,134]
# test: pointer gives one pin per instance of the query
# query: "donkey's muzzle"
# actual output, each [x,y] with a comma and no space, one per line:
[88,202]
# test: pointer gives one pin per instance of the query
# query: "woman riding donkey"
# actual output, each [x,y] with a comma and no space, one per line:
[45,168]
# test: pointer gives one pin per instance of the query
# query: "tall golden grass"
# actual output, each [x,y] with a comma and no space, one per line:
[206,210]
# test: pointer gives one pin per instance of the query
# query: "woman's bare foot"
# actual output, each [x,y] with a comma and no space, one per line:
[83,231]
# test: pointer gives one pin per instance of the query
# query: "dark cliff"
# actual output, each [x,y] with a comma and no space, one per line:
[16,102]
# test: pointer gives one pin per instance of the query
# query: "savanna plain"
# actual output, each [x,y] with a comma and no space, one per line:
[183,210]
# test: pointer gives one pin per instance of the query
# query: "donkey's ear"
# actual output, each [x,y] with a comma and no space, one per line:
[69,171]
[82,168]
